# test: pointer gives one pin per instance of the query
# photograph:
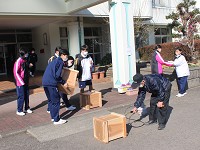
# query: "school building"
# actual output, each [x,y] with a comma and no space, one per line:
[105,26]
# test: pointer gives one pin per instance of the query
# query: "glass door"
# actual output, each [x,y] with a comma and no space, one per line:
[3,70]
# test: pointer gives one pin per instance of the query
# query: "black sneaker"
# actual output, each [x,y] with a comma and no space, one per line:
[161,126]
[151,122]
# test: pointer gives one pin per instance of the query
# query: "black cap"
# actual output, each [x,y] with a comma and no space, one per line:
[137,79]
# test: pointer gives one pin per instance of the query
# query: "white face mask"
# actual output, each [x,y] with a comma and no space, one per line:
[85,53]
[26,55]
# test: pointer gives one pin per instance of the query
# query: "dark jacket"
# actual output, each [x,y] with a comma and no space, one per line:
[33,58]
[155,84]
[52,74]
[154,63]
[77,64]
[157,62]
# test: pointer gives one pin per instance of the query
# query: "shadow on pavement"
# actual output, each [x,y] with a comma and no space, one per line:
[12,92]
[40,105]
[133,122]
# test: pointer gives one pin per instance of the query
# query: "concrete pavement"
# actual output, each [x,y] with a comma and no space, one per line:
[10,123]
[181,131]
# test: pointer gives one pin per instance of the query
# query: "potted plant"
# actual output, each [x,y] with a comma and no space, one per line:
[95,75]
[101,74]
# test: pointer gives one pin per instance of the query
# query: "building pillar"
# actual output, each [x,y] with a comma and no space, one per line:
[122,41]
[75,37]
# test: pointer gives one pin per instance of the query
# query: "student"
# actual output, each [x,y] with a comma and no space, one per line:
[83,64]
[21,75]
[32,60]
[182,71]
[157,61]
[56,55]
[51,79]
[63,95]
[160,89]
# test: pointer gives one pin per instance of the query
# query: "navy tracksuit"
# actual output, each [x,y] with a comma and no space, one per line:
[22,97]
[160,89]
[50,80]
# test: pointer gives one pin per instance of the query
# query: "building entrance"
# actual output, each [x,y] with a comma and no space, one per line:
[10,42]
[8,55]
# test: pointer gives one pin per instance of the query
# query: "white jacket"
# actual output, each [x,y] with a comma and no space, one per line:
[181,66]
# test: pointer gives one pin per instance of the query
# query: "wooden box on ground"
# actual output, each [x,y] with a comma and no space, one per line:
[70,76]
[90,100]
[109,127]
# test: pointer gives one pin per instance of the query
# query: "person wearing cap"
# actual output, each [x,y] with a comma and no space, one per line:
[157,61]
[160,89]
[51,79]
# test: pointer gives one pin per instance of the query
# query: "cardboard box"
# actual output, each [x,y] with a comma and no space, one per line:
[70,76]
[90,100]
[109,127]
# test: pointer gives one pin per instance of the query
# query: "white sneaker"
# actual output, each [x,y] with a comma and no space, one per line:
[184,93]
[48,112]
[52,120]
[28,111]
[71,108]
[179,95]
[61,121]
[20,113]
[62,104]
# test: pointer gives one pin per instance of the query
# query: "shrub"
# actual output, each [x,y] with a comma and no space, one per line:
[168,51]
[106,60]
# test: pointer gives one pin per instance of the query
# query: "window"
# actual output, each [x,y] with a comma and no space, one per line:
[160,3]
[93,38]
[7,38]
[24,37]
[162,35]
[64,37]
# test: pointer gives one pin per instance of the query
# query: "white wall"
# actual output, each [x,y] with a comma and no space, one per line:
[98,10]
[159,16]
[38,44]
[142,8]
[54,33]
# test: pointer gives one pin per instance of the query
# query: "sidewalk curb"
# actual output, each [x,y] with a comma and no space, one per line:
[2,135]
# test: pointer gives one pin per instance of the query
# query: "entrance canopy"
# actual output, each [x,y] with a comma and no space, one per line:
[77,5]
[33,13]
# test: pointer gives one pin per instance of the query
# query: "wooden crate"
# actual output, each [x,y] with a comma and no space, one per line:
[90,100]
[109,127]
[70,76]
